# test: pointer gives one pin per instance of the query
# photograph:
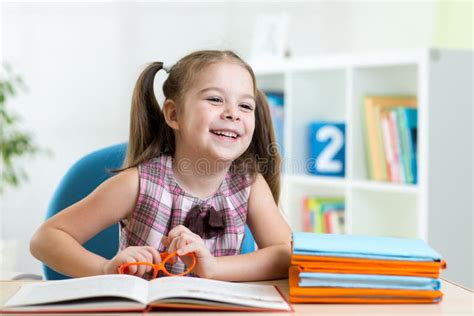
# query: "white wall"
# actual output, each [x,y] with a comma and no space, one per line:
[80,62]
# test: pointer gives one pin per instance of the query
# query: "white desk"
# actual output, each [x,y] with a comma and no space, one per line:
[456,300]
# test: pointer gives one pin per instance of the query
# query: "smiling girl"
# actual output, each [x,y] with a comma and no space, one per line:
[197,170]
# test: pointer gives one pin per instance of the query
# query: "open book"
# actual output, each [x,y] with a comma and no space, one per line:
[125,293]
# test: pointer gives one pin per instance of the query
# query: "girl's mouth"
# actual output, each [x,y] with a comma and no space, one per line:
[226,135]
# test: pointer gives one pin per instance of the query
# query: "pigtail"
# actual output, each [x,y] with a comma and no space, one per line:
[264,146]
[149,133]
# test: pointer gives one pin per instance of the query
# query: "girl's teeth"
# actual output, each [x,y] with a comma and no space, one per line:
[228,134]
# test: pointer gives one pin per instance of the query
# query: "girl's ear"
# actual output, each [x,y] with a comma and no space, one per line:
[170,113]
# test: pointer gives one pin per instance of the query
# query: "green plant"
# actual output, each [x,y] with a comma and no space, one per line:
[14,143]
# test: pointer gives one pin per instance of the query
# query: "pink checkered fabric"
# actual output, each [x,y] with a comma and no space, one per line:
[162,205]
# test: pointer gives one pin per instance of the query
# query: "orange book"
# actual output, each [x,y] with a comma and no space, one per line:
[356,295]
[327,221]
[429,269]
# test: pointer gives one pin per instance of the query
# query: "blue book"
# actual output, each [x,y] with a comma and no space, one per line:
[402,130]
[276,102]
[368,281]
[332,206]
[359,246]
[411,120]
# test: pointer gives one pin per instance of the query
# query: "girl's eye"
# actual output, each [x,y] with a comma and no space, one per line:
[215,99]
[246,106]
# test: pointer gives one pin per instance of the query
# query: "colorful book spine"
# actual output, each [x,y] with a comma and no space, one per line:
[323,215]
[382,159]
[374,161]
[307,224]
[394,142]
[388,147]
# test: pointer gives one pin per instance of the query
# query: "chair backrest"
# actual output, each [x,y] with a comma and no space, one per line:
[80,180]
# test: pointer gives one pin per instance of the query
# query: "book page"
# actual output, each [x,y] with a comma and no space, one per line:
[102,304]
[240,294]
[114,285]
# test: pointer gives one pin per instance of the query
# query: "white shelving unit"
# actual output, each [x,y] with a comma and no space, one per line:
[439,208]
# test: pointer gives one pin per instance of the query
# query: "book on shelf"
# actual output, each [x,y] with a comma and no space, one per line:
[397,147]
[126,293]
[399,128]
[390,147]
[276,102]
[323,215]
[390,130]
[408,119]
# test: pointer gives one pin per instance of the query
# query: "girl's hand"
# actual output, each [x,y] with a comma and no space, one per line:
[184,241]
[133,254]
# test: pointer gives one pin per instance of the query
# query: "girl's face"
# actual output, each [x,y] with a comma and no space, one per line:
[217,119]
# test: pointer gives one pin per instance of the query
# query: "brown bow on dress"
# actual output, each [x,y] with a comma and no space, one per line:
[204,221]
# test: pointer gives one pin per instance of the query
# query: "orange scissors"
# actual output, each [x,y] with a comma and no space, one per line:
[165,257]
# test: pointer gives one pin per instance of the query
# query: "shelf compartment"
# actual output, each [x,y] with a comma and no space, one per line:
[388,80]
[296,191]
[384,213]
[315,96]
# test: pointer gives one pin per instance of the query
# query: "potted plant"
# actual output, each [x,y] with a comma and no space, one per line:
[14,142]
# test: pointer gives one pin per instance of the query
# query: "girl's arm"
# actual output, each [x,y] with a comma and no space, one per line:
[58,241]
[272,235]
[270,230]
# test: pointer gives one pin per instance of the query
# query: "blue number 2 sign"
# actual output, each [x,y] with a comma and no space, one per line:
[327,148]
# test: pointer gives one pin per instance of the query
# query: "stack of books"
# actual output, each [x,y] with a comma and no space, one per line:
[331,268]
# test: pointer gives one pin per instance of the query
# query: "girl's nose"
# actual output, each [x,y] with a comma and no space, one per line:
[231,113]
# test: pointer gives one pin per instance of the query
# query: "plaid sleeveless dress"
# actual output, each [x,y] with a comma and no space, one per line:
[162,205]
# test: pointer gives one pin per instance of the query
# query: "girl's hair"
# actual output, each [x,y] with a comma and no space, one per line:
[151,136]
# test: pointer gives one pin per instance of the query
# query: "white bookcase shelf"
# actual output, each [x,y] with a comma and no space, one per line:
[332,88]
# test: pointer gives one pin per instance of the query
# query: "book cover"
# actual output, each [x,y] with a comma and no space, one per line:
[368,281]
[361,246]
[125,293]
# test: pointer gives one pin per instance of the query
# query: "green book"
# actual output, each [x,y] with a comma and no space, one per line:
[405,153]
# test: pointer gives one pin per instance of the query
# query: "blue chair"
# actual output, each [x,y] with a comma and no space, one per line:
[80,180]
